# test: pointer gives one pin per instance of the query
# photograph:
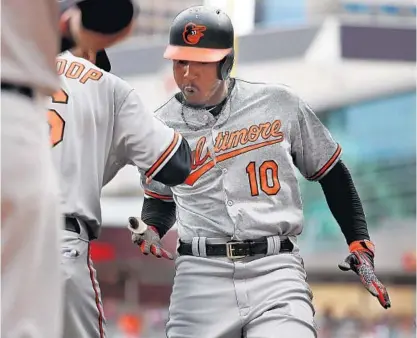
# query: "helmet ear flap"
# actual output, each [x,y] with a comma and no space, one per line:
[225,66]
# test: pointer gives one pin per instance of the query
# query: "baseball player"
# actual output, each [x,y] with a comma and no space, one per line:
[98,125]
[30,275]
[239,213]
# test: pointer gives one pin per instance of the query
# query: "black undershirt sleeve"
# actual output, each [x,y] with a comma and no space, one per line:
[344,203]
[160,214]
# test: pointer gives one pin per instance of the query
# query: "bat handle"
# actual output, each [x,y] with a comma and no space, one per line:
[136,225]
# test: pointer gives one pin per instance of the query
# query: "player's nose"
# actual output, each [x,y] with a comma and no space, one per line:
[189,72]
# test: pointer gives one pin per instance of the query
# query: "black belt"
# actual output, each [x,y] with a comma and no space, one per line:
[23,90]
[72,224]
[236,249]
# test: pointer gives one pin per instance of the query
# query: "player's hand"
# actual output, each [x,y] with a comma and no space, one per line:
[149,241]
[361,261]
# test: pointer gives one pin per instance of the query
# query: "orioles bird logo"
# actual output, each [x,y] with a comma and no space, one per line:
[193,33]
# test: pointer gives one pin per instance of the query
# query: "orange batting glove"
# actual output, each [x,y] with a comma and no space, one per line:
[361,261]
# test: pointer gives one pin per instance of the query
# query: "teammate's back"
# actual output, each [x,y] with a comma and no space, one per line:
[81,117]
[98,125]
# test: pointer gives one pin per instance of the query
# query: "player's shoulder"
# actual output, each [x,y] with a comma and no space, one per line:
[120,85]
[169,110]
[279,91]
[67,55]
[79,65]
[69,58]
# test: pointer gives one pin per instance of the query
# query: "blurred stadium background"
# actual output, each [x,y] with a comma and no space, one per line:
[354,62]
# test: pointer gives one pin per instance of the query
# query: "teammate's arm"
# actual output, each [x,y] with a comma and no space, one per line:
[158,151]
[317,156]
[95,24]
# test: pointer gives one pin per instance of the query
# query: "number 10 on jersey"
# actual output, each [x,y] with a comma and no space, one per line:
[264,177]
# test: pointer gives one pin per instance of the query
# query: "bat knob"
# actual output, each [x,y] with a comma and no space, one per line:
[134,223]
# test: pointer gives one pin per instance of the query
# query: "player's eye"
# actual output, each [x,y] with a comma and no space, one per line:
[182,62]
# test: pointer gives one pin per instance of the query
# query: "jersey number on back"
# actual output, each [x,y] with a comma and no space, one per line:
[55,120]
[267,174]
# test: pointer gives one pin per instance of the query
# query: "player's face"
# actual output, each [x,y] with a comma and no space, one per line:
[197,80]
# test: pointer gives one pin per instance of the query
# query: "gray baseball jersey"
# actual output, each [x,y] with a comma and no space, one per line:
[98,125]
[31,279]
[243,184]
[99,113]
[30,43]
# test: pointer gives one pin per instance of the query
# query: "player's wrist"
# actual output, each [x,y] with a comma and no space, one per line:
[365,245]
[154,229]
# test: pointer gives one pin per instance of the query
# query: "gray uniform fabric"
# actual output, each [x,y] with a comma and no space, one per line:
[31,295]
[83,308]
[257,298]
[106,127]
[244,186]
[30,43]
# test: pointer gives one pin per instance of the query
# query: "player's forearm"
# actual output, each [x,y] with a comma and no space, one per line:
[160,214]
[344,203]
[97,24]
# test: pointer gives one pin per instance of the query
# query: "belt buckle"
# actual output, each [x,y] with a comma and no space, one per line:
[230,250]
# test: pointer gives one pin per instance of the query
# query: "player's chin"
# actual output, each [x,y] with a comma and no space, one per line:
[193,98]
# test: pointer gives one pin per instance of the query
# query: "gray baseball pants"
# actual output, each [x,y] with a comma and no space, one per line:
[256,297]
[83,308]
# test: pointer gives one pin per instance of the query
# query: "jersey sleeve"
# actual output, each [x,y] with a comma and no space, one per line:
[146,141]
[313,148]
[156,190]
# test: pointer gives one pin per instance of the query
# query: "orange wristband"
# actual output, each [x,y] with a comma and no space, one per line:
[362,245]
